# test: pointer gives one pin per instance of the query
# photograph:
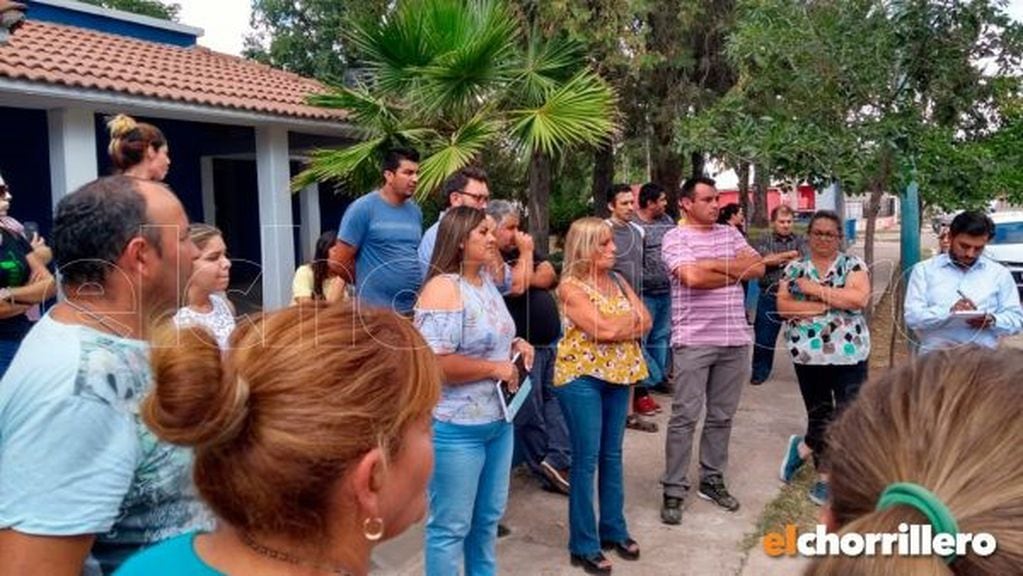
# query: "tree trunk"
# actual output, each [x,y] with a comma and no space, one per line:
[762,181]
[667,164]
[539,201]
[743,171]
[870,211]
[697,161]
[603,177]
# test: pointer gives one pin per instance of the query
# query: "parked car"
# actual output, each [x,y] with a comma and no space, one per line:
[1007,245]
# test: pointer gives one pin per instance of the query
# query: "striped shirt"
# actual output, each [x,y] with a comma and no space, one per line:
[699,317]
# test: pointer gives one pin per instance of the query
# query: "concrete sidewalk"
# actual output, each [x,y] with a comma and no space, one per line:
[710,541]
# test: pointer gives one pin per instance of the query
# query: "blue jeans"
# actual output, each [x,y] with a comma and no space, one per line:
[657,342]
[765,332]
[467,495]
[595,412]
[540,428]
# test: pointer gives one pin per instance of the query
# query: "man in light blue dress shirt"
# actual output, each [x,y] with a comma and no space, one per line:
[963,281]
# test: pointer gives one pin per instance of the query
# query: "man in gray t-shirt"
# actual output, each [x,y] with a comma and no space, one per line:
[628,237]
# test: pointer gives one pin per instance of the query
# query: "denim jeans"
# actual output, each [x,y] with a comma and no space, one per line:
[765,332]
[657,342]
[467,495]
[540,429]
[595,412]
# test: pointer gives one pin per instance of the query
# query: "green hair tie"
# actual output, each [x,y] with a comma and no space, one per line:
[926,502]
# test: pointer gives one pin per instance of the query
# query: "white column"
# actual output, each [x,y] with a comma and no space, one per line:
[209,204]
[276,240]
[310,204]
[72,133]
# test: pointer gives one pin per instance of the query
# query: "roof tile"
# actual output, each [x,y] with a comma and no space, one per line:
[76,57]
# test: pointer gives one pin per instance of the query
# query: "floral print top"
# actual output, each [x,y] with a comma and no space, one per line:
[580,355]
[481,328]
[836,337]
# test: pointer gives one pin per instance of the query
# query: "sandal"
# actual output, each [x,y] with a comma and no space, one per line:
[595,564]
[628,549]
[634,422]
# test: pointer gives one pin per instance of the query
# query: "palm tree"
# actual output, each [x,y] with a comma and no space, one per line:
[457,78]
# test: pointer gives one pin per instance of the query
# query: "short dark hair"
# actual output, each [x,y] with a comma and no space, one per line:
[394,156]
[615,190]
[825,215]
[689,186]
[972,223]
[650,192]
[781,210]
[94,224]
[459,180]
[726,213]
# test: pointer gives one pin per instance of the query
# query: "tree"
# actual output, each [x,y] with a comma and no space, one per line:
[461,79]
[863,91]
[308,37]
[153,8]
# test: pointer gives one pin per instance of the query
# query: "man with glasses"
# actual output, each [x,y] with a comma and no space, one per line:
[965,282]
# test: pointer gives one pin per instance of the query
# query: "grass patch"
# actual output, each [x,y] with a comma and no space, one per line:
[790,507]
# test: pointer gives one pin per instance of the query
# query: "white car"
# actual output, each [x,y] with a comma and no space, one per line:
[1007,245]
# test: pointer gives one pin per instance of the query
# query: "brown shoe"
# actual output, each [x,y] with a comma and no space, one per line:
[557,480]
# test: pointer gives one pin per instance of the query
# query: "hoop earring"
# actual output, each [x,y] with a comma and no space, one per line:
[373,529]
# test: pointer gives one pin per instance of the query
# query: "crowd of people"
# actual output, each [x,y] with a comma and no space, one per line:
[144,431]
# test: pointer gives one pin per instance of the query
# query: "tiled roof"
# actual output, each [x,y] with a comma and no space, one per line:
[80,58]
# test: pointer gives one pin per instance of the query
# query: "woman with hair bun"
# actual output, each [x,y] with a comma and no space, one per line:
[311,436]
[938,443]
[138,149]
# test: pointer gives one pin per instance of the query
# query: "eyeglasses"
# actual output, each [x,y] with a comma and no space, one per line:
[825,235]
[476,197]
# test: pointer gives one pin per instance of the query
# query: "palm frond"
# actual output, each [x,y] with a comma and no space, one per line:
[357,166]
[456,152]
[546,63]
[581,111]
[366,110]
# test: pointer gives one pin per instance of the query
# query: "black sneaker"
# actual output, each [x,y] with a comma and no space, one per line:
[671,510]
[713,489]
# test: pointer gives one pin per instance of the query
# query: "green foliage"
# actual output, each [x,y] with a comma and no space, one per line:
[152,8]
[460,79]
[863,91]
[306,37]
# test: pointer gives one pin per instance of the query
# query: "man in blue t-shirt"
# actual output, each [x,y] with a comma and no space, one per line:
[83,482]
[379,237]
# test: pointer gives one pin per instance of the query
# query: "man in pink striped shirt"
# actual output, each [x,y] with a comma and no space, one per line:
[711,341]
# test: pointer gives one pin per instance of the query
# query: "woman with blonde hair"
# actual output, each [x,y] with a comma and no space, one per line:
[462,315]
[937,442]
[207,305]
[598,359]
[311,437]
[138,149]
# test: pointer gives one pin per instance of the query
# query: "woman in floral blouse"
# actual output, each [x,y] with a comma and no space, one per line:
[599,357]
[822,298]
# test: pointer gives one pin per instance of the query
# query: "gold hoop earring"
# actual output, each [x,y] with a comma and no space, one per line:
[373,529]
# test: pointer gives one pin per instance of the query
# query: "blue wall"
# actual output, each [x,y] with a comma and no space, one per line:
[24,162]
[57,15]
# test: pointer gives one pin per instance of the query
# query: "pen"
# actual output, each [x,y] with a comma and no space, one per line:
[963,296]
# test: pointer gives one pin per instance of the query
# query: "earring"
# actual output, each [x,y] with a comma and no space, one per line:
[373,528]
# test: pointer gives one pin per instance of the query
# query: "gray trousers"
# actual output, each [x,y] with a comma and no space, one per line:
[711,376]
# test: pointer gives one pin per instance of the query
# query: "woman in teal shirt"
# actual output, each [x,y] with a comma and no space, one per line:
[311,436]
